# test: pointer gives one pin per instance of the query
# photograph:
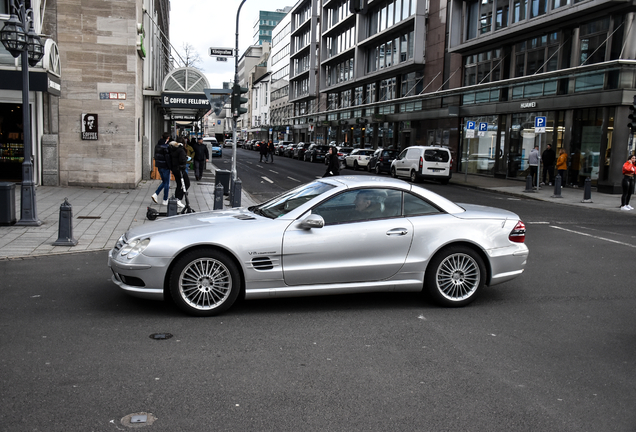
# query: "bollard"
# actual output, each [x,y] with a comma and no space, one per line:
[172,206]
[587,192]
[65,230]
[218,197]
[529,184]
[557,187]
[235,199]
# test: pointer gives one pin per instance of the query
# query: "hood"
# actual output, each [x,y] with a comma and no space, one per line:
[193,220]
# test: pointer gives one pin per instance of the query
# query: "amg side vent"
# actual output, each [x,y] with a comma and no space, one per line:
[244,217]
[262,263]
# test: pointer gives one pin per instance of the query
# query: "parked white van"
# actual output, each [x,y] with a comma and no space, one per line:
[423,162]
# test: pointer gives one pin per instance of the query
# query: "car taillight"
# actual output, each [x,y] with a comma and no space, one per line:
[518,233]
[421,163]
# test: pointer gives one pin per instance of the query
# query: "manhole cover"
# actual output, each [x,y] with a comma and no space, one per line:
[160,336]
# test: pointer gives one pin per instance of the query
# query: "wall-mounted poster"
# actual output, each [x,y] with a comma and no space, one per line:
[89,126]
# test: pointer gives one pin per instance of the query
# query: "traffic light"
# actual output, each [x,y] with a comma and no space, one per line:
[632,117]
[238,100]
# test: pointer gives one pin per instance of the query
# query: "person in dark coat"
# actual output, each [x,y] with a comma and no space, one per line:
[548,158]
[270,150]
[162,163]
[262,148]
[178,162]
[201,156]
[333,163]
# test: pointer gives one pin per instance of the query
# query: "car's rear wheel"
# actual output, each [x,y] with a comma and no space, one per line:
[204,282]
[413,176]
[455,276]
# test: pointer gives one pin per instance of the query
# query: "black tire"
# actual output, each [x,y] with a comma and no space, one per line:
[413,176]
[455,276]
[355,165]
[377,169]
[393,173]
[312,159]
[212,282]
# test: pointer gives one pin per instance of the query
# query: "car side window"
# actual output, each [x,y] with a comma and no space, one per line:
[360,205]
[403,154]
[416,206]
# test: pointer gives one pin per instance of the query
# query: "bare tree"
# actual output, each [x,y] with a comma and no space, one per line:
[190,56]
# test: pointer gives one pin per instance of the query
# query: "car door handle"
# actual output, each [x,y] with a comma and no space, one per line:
[397,232]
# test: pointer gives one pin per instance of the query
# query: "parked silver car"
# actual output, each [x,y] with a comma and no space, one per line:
[336,235]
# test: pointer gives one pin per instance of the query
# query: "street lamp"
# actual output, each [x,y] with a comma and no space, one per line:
[19,38]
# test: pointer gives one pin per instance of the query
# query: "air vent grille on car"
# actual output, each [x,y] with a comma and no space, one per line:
[244,217]
[262,263]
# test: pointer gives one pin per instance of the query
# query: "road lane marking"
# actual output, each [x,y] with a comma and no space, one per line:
[266,179]
[275,172]
[291,178]
[593,236]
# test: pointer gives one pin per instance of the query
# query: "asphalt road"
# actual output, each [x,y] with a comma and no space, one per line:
[553,350]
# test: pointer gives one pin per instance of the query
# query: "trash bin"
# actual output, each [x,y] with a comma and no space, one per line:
[7,204]
[223,177]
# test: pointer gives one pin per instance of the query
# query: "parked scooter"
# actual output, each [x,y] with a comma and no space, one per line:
[152,214]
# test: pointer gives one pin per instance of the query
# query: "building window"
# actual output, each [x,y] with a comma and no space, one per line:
[592,39]
[483,67]
[538,8]
[537,55]
[501,20]
[519,10]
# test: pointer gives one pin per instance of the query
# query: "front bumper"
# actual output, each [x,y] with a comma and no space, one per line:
[145,278]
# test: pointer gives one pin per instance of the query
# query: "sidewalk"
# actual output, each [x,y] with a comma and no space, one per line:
[101,215]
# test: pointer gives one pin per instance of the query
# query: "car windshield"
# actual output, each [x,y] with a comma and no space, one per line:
[285,203]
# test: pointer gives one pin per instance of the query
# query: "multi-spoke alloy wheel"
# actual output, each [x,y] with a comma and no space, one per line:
[455,276]
[204,282]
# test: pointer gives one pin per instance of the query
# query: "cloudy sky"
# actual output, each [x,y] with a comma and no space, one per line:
[212,23]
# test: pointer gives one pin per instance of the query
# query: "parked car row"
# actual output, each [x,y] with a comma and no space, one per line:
[415,162]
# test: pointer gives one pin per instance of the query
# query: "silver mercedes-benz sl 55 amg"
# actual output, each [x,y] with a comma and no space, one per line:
[336,235]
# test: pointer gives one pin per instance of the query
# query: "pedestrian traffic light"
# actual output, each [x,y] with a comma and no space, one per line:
[632,117]
[238,100]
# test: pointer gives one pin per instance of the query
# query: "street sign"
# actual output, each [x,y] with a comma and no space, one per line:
[539,124]
[470,129]
[483,128]
[221,59]
[221,52]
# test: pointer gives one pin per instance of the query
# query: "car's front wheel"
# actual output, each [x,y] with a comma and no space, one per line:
[204,282]
[393,173]
[455,276]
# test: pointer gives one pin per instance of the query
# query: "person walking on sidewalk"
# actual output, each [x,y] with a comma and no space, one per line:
[548,158]
[562,165]
[533,161]
[629,170]
[201,156]
[162,163]
[178,162]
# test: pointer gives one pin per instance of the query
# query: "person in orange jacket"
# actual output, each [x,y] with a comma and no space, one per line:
[562,165]
[629,170]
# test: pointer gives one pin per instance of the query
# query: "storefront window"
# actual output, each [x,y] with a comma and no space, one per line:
[479,153]
[11,142]
[523,139]
[586,146]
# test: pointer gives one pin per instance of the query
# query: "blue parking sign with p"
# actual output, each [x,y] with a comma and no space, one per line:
[483,127]
[539,122]
[470,125]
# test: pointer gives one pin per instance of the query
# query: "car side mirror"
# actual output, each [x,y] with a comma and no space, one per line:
[312,221]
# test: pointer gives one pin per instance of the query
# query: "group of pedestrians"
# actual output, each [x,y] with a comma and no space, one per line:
[266,150]
[173,157]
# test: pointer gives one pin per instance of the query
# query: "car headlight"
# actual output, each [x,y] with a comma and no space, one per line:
[134,248]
